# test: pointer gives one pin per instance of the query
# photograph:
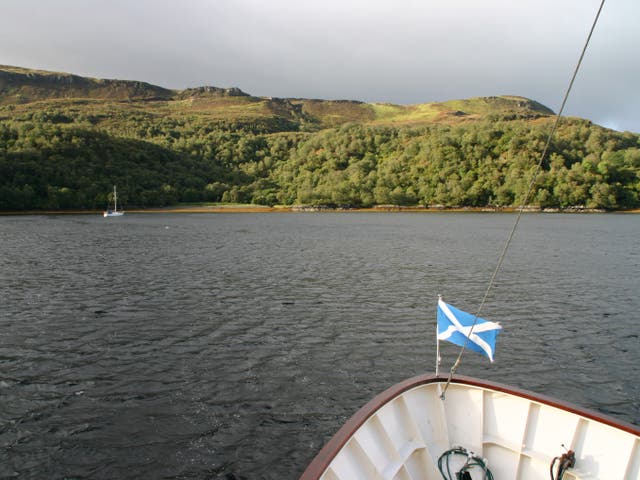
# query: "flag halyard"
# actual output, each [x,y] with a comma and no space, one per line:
[455,326]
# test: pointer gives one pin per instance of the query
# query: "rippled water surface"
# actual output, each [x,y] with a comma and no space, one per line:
[234,345]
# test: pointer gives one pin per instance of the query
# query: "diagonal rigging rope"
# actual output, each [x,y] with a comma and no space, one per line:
[524,203]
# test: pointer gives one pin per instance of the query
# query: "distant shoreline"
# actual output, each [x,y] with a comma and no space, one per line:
[319,209]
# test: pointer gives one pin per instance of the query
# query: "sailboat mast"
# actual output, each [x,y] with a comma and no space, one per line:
[114,212]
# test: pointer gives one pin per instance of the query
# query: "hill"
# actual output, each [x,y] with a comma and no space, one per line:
[65,140]
[20,85]
[28,89]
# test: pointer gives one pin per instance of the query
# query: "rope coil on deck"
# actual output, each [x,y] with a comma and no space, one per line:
[565,461]
[473,462]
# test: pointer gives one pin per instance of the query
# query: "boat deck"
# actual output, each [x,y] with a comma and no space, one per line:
[401,434]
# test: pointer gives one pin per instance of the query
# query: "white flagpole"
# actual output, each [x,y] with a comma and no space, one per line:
[437,355]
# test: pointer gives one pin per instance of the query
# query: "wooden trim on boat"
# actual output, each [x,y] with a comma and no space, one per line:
[322,460]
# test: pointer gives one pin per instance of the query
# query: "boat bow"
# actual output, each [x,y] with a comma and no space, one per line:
[404,431]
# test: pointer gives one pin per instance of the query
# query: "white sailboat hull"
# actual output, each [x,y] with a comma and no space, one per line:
[113,214]
[402,433]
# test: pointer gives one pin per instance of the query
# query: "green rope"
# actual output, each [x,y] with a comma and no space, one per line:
[473,462]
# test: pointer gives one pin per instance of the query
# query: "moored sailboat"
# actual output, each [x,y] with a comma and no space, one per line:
[115,212]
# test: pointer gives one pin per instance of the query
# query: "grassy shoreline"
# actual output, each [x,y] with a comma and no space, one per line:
[232,208]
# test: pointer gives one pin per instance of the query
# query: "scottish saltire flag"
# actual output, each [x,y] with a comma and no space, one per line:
[454,325]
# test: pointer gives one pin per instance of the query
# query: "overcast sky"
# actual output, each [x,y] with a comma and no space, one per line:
[398,51]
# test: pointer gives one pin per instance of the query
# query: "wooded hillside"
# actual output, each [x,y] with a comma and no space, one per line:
[66,140]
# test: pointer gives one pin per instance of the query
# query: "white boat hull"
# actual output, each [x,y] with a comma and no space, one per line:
[402,433]
[113,214]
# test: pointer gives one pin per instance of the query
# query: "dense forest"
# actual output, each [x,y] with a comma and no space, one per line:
[66,140]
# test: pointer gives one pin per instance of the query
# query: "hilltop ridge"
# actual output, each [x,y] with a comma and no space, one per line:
[21,87]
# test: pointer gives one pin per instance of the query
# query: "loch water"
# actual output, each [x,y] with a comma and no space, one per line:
[234,345]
